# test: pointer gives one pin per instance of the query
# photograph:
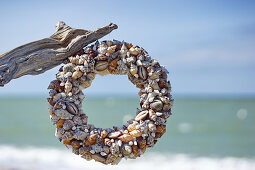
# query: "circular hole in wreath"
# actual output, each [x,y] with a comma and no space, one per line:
[110,101]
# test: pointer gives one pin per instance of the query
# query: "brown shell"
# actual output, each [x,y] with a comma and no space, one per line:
[157,105]
[51,102]
[142,115]
[84,150]
[101,65]
[135,150]
[77,74]
[142,72]
[161,129]
[114,135]
[60,123]
[72,108]
[66,142]
[76,144]
[136,133]
[141,142]
[126,138]
[114,63]
[104,133]
[107,142]
[91,140]
[131,127]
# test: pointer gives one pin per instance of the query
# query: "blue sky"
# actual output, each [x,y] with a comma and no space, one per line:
[207,46]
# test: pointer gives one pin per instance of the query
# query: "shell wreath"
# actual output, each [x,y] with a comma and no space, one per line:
[109,146]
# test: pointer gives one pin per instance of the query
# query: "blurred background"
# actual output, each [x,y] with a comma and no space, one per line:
[208,48]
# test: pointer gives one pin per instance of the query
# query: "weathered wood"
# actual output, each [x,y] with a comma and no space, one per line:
[39,56]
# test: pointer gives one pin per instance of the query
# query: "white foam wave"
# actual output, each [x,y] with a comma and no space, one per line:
[46,159]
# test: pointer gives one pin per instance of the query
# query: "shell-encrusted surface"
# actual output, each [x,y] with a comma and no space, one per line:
[131,140]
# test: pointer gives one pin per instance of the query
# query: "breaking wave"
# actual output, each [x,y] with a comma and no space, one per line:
[51,158]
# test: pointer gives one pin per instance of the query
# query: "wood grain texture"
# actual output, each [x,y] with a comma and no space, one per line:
[39,56]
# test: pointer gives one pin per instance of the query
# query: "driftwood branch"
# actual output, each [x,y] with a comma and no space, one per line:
[39,56]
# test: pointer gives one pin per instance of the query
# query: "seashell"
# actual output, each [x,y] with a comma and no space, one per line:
[134,51]
[72,108]
[84,118]
[104,133]
[163,84]
[63,114]
[143,149]
[91,140]
[102,48]
[155,75]
[87,156]
[154,62]
[66,142]
[84,150]
[113,63]
[116,161]
[68,68]
[68,124]
[142,72]
[131,127]
[51,102]
[139,63]
[157,105]
[99,158]
[75,144]
[60,123]
[109,43]
[161,129]
[141,143]
[79,135]
[106,149]
[129,45]
[125,138]
[55,84]
[123,51]
[126,149]
[131,59]
[75,151]
[101,65]
[158,135]
[155,85]
[166,114]
[114,135]
[150,97]
[58,105]
[151,127]
[135,150]
[91,76]
[77,120]
[159,113]
[133,69]
[85,84]
[103,153]
[142,115]
[68,87]
[150,141]
[111,49]
[114,149]
[136,133]
[77,74]
[59,133]
[68,74]
[107,141]
[68,135]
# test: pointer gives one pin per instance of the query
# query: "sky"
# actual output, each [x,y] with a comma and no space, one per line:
[208,46]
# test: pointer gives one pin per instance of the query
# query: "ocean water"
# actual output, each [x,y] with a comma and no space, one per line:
[216,133]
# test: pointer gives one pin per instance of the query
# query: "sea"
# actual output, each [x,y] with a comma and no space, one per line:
[203,133]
